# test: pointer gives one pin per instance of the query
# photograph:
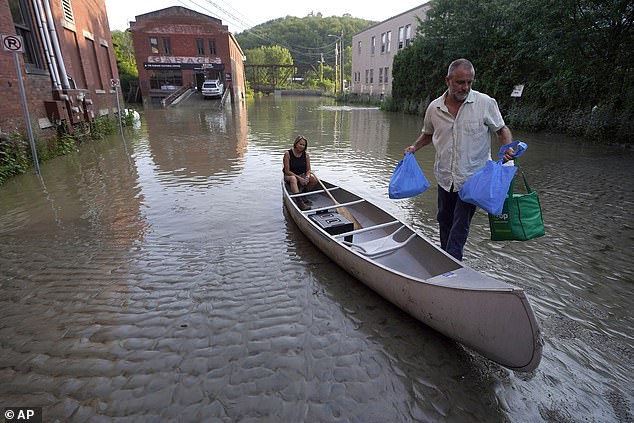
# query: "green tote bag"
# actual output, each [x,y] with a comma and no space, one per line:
[521,217]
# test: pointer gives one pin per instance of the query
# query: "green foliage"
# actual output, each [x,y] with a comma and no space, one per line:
[269,55]
[126,62]
[103,126]
[127,119]
[65,144]
[14,156]
[309,40]
[15,152]
[573,56]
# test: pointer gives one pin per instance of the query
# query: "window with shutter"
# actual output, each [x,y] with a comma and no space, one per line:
[68,11]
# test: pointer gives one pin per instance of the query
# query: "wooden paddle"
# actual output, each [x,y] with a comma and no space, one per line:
[341,210]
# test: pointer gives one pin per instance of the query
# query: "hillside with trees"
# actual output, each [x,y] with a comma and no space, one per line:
[574,58]
[310,41]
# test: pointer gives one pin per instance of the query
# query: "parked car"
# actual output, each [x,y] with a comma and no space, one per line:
[212,88]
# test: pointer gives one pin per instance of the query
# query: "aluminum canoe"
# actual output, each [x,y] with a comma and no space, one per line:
[487,315]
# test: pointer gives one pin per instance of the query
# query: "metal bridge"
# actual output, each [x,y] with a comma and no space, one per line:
[268,78]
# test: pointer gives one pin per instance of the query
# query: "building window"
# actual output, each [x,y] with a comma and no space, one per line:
[23,21]
[385,73]
[401,37]
[94,65]
[389,42]
[408,34]
[167,47]
[380,75]
[383,38]
[106,54]
[68,11]
[371,76]
[212,47]
[200,46]
[367,72]
[359,47]
[166,79]
[372,45]
[154,45]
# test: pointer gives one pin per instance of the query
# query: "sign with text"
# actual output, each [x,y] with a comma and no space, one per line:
[23,414]
[184,60]
[517,91]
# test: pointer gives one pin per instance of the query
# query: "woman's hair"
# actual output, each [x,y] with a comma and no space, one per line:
[298,139]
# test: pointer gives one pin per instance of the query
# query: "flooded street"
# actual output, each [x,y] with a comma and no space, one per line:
[158,278]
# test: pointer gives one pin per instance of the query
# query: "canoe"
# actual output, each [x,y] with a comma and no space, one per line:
[489,316]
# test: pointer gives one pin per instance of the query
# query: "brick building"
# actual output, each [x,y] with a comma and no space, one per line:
[178,47]
[67,65]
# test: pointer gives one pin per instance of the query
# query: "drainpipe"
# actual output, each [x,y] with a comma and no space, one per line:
[58,51]
[50,58]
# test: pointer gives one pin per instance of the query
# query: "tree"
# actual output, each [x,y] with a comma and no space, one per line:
[126,61]
[307,39]
[269,55]
[575,58]
[272,66]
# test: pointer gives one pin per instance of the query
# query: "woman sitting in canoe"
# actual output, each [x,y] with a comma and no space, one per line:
[297,170]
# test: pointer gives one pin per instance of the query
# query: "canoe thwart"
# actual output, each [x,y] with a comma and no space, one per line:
[368,229]
[316,191]
[350,203]
[380,246]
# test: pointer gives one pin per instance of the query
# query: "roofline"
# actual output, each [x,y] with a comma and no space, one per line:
[428,2]
[236,42]
[178,7]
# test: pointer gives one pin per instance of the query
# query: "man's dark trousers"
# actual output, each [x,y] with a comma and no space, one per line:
[454,218]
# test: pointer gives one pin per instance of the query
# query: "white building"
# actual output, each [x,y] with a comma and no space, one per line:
[373,51]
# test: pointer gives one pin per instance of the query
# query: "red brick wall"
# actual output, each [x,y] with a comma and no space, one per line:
[90,19]
[182,26]
[238,80]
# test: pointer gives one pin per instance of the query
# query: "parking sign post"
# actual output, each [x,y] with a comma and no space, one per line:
[13,43]
[115,83]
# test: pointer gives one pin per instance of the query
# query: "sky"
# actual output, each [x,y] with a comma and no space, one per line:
[240,15]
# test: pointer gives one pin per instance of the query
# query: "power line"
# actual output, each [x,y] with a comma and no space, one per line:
[249,27]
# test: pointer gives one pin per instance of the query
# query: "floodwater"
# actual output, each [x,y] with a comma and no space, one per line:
[158,278]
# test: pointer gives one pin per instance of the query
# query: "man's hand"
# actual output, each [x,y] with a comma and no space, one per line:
[509,155]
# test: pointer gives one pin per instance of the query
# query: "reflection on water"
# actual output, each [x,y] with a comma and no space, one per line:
[168,283]
[196,142]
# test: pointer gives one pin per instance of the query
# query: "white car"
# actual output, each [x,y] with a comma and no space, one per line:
[212,88]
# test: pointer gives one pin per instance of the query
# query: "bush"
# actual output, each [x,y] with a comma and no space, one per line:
[15,152]
[14,156]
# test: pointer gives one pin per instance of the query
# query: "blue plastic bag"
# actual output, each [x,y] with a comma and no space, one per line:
[487,188]
[407,180]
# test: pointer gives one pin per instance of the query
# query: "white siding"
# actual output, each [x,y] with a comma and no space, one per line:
[372,62]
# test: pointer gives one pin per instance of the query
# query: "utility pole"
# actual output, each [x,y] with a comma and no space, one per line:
[336,66]
[321,68]
[341,61]
[339,67]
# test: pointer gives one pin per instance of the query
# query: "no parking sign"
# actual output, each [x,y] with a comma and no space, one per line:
[12,43]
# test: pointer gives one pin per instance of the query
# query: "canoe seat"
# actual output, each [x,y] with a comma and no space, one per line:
[380,246]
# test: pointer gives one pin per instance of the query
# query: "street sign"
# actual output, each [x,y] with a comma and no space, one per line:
[12,43]
[114,83]
[517,91]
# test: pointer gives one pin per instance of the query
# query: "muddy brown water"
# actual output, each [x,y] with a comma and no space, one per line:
[158,278]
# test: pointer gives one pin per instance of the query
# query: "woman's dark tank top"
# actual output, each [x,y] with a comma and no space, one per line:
[297,165]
